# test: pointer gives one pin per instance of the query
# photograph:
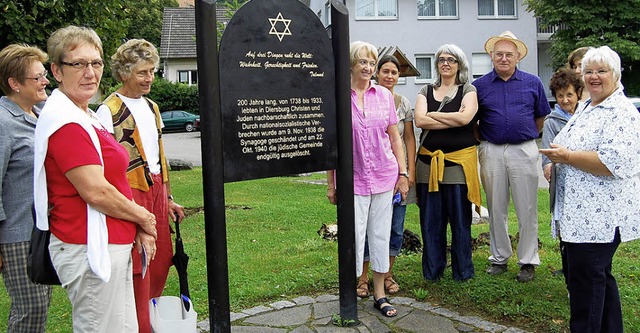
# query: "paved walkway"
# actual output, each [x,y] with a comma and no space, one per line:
[307,315]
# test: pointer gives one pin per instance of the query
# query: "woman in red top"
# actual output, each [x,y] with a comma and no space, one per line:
[80,179]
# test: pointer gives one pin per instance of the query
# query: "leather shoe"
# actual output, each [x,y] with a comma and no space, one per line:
[496,269]
[527,273]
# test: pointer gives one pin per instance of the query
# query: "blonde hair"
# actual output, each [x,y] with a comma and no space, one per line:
[15,60]
[129,55]
[357,46]
[66,39]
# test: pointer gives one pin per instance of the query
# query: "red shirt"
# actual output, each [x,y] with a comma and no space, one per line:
[71,147]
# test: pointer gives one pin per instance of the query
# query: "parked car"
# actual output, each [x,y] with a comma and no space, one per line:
[180,120]
[636,101]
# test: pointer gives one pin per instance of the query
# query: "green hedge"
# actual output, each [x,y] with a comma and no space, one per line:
[171,96]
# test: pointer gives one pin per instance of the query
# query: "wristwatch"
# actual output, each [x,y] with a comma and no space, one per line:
[404,174]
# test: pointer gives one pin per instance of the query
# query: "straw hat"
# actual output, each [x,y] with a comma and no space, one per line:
[507,35]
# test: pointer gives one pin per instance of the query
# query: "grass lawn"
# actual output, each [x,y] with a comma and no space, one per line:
[275,253]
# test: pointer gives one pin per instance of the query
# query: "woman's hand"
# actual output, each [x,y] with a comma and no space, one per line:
[149,224]
[332,195]
[557,154]
[176,212]
[148,242]
[402,186]
[547,172]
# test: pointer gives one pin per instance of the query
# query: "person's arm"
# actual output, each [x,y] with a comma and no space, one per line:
[101,195]
[331,187]
[464,116]
[410,144]
[422,118]
[176,211]
[540,123]
[587,161]
[402,185]
[548,134]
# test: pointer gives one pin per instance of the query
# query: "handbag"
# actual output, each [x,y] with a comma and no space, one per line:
[39,267]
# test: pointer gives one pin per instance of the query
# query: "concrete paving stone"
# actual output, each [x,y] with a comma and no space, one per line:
[363,329]
[515,330]
[402,300]
[464,328]
[445,312]
[489,326]
[286,317]
[336,329]
[322,322]
[302,300]
[302,329]
[327,298]
[257,309]
[256,329]
[402,311]
[282,304]
[374,324]
[204,326]
[423,306]
[422,322]
[236,316]
[328,309]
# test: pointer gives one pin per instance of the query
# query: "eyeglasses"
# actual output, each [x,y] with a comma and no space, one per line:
[82,65]
[508,55]
[39,77]
[599,72]
[449,60]
[364,62]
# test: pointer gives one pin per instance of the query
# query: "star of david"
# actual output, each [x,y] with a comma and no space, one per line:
[274,22]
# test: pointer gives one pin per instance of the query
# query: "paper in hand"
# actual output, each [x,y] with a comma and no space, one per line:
[143,256]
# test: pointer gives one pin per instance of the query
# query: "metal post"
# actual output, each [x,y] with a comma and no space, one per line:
[344,172]
[212,166]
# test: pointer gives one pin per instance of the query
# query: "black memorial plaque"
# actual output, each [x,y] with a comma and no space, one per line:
[277,87]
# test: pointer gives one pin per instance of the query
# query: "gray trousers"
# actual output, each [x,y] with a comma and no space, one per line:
[29,301]
[511,168]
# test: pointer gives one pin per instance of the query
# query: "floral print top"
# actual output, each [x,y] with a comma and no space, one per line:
[589,208]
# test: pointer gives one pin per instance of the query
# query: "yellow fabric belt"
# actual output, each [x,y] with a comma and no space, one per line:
[467,158]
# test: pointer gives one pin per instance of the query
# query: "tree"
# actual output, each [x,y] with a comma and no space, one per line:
[594,23]
[147,23]
[231,7]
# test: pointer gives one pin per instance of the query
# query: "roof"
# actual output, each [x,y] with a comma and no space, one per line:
[406,67]
[179,31]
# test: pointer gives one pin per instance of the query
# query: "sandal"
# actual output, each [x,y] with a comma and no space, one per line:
[363,289]
[385,309]
[391,287]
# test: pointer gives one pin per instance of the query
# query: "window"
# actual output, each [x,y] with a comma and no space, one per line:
[437,8]
[497,8]
[377,9]
[188,77]
[480,64]
[424,64]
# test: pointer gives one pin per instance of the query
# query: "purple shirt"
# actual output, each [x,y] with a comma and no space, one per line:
[375,168]
[507,110]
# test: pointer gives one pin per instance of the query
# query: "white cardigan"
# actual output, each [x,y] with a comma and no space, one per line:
[58,111]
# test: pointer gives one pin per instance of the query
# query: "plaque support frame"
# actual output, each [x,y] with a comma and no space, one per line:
[212,167]
[344,171]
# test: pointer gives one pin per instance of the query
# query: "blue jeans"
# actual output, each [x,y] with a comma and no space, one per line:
[397,230]
[594,298]
[438,209]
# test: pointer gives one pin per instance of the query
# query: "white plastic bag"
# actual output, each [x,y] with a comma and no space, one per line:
[168,315]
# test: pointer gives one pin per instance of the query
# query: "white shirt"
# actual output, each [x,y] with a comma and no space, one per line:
[145,122]
[591,207]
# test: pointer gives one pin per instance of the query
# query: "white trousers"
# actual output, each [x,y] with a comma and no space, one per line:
[511,168]
[97,306]
[373,219]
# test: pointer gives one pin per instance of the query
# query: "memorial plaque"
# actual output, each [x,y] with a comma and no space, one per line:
[277,87]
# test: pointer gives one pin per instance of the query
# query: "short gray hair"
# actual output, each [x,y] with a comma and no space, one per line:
[606,56]
[67,39]
[463,65]
[129,55]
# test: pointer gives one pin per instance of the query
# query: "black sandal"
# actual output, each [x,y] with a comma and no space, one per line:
[384,309]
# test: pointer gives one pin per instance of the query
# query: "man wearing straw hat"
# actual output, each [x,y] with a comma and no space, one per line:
[512,106]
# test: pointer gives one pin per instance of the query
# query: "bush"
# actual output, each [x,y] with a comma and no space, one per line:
[170,95]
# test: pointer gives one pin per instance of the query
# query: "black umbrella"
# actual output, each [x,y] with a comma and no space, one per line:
[180,261]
